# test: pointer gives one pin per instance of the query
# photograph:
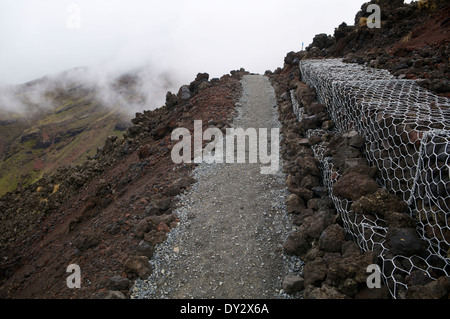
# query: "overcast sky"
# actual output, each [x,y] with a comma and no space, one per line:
[189,36]
[39,37]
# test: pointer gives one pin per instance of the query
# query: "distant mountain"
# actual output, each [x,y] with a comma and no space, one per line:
[62,119]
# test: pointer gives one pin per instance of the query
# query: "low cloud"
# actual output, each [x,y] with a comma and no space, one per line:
[168,41]
[24,100]
[129,92]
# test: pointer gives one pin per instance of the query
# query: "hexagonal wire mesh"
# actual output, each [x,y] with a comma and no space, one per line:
[407,137]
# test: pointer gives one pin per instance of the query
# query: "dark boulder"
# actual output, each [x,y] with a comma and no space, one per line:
[404,241]
[118,283]
[138,265]
[315,272]
[296,244]
[321,41]
[332,238]
[293,284]
[438,289]
[354,185]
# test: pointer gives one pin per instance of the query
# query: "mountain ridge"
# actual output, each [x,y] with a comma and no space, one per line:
[62,119]
[101,213]
[129,174]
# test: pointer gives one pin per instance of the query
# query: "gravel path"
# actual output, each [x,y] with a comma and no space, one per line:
[233,223]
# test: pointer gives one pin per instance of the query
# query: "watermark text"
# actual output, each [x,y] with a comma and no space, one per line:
[239,146]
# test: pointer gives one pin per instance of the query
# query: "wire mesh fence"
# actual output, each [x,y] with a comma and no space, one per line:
[407,135]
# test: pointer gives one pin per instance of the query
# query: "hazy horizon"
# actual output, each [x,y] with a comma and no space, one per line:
[175,38]
[44,37]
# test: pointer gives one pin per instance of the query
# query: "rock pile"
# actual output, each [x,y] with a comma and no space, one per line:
[335,266]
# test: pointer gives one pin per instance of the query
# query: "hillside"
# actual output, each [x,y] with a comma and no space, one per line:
[382,146]
[111,205]
[52,123]
[412,43]
[62,119]
[90,212]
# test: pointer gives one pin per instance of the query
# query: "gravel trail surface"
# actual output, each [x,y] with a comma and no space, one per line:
[233,223]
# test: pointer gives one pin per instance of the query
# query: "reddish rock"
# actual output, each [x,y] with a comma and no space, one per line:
[163,227]
[381,203]
[155,237]
[296,244]
[354,185]
[317,223]
[315,272]
[294,204]
[332,238]
[293,284]
[138,265]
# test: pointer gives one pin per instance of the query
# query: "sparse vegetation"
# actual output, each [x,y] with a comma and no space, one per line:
[427,5]
[407,37]
[362,22]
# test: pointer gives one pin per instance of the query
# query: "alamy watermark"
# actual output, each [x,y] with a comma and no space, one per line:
[74,16]
[374,20]
[374,279]
[74,279]
[256,152]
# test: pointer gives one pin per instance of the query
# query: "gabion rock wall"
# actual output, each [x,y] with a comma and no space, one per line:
[407,133]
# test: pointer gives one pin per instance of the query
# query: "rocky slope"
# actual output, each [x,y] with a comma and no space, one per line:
[62,119]
[409,46]
[335,267]
[96,214]
[412,43]
[108,213]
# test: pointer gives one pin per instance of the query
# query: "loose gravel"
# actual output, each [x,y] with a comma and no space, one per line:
[233,222]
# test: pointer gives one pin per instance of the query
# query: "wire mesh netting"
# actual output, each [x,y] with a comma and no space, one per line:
[407,135]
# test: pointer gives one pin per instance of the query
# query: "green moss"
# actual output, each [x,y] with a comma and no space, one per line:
[19,168]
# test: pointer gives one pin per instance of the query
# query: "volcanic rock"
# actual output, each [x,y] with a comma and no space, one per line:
[355,185]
